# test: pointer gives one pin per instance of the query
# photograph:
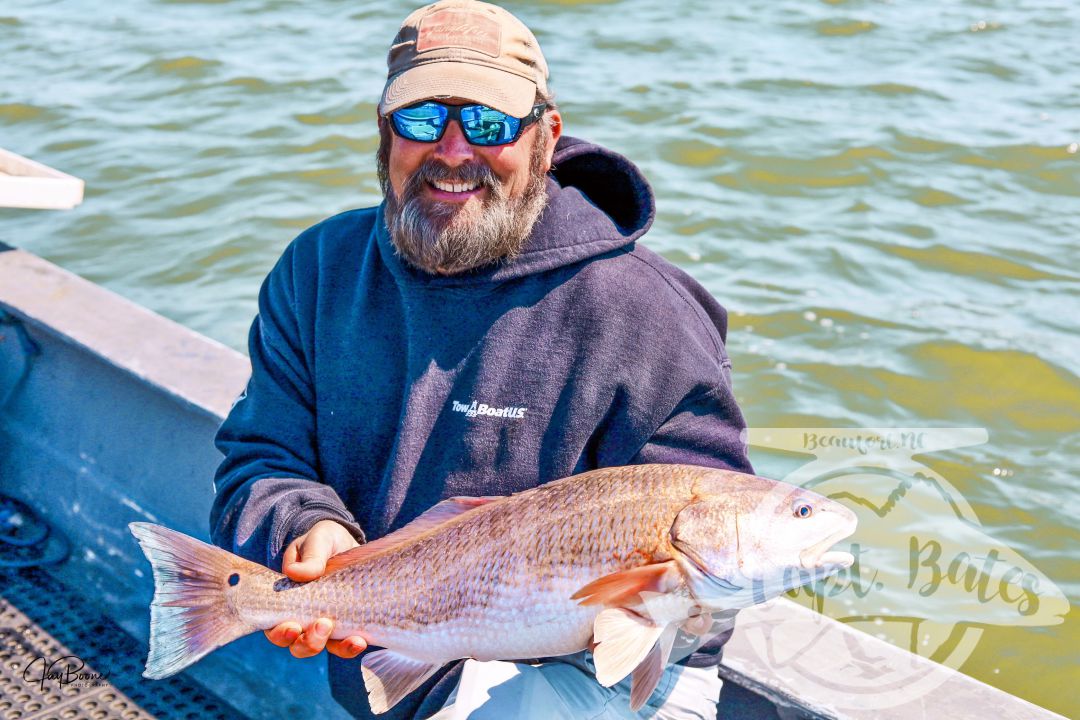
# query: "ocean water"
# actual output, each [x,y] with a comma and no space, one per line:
[885,196]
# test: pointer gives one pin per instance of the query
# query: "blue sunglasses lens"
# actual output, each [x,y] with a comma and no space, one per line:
[485,126]
[482,125]
[422,123]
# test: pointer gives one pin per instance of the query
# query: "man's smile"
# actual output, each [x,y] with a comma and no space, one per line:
[458,191]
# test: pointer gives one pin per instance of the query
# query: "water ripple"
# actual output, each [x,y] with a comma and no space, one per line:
[844,28]
[784,85]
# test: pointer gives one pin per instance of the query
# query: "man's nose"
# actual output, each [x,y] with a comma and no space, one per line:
[452,148]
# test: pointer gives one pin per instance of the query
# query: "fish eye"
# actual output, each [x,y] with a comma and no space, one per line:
[804,510]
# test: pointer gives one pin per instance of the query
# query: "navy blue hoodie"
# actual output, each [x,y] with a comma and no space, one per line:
[378,390]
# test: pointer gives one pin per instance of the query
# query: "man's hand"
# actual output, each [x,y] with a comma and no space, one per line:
[305,560]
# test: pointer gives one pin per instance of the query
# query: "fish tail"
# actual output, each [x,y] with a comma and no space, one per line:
[191,614]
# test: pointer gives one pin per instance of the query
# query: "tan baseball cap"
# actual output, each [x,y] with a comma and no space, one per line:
[467,49]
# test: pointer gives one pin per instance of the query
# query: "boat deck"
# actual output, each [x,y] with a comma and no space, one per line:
[59,658]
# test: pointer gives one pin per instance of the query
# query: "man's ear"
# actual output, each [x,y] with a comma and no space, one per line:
[556,133]
[556,125]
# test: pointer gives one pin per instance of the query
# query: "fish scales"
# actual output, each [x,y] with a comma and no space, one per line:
[527,554]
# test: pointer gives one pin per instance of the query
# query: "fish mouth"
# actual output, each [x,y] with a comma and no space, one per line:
[820,556]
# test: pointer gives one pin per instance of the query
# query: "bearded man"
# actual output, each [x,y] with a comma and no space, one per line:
[493,325]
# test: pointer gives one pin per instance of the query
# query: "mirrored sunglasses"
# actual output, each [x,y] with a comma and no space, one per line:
[426,122]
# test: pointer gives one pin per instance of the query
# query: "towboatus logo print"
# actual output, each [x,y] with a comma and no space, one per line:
[475,409]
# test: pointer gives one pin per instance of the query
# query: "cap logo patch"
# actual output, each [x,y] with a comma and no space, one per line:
[459,29]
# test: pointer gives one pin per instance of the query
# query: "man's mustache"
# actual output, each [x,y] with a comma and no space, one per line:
[432,170]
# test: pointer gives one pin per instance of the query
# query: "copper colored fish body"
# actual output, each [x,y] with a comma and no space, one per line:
[621,558]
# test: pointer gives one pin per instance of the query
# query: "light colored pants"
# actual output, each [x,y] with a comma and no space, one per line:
[566,689]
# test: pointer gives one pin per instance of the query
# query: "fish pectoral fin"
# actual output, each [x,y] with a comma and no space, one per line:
[390,676]
[444,512]
[625,587]
[623,639]
[648,672]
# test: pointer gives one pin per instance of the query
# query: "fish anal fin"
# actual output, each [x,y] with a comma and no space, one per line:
[625,587]
[390,676]
[623,639]
[648,672]
[443,512]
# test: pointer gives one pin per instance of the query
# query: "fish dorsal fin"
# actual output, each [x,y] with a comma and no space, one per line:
[443,512]
[623,639]
[390,676]
[625,587]
[649,671]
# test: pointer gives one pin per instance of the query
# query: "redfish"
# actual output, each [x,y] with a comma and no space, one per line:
[618,559]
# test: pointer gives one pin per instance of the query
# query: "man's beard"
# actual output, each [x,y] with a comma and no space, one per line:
[447,238]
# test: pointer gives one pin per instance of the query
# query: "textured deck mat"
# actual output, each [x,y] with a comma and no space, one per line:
[61,659]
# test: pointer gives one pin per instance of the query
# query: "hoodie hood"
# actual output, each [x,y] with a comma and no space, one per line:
[598,201]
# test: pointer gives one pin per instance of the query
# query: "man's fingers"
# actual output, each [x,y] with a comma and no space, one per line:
[350,647]
[313,640]
[307,644]
[284,634]
[313,550]
[290,555]
[305,557]
[304,560]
